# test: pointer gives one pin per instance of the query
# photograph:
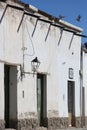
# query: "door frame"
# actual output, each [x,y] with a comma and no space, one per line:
[10,91]
[71,115]
[43,115]
[6,95]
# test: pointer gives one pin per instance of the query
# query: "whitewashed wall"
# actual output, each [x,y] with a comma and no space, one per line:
[85,78]
[55,60]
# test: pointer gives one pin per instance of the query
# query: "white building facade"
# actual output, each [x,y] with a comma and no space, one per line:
[52,96]
[84,83]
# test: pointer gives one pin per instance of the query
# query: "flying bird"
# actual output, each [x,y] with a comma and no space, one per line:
[78,18]
[61,17]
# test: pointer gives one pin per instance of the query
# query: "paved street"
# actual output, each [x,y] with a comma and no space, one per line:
[10,129]
[73,128]
[70,128]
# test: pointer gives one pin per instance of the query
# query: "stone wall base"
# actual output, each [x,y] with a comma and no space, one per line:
[50,123]
[2,124]
[57,122]
[78,122]
[62,122]
[86,121]
[27,124]
[22,124]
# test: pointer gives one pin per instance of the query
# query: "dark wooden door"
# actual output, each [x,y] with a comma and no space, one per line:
[10,93]
[71,103]
[41,98]
[83,106]
[6,90]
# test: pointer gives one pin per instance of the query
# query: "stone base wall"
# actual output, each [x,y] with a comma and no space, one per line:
[50,123]
[81,122]
[78,122]
[86,121]
[23,124]
[60,122]
[2,124]
[27,124]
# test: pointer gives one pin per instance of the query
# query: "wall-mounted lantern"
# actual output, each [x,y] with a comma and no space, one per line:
[71,73]
[35,63]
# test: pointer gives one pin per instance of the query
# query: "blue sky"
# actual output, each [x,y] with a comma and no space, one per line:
[69,8]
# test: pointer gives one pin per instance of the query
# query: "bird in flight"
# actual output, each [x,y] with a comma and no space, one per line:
[78,18]
[61,17]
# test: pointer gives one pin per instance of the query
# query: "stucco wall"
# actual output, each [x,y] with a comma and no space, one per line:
[55,61]
[20,47]
[11,41]
[85,78]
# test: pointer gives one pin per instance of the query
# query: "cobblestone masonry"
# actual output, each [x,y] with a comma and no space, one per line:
[27,124]
[78,122]
[50,123]
[85,121]
[54,123]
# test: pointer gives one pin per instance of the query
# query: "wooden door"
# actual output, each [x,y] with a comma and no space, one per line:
[10,93]
[83,106]
[41,98]
[71,103]
[7,97]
